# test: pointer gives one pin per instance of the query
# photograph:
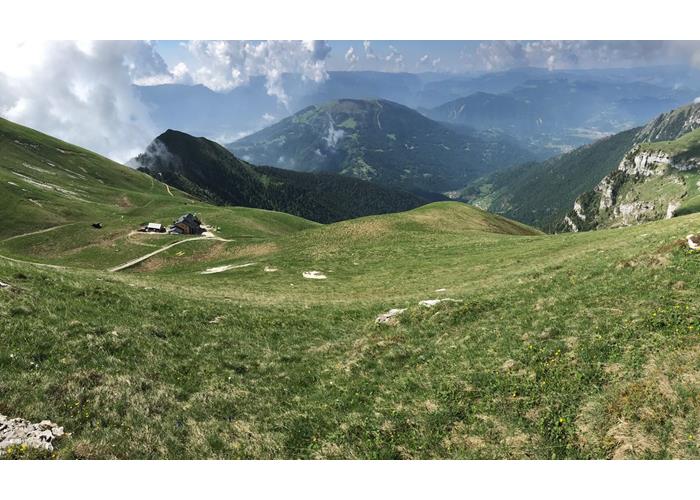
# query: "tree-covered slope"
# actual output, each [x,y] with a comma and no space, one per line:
[541,193]
[212,173]
[379,141]
[657,178]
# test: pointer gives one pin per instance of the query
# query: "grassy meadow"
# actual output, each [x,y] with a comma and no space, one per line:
[580,346]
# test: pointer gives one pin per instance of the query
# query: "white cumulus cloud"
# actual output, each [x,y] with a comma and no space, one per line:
[369,52]
[351,57]
[225,65]
[567,54]
[81,92]
[395,58]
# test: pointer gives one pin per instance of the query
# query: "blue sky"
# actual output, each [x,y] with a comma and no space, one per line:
[450,53]
[466,56]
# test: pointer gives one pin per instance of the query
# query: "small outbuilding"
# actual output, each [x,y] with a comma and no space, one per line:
[187,224]
[153,227]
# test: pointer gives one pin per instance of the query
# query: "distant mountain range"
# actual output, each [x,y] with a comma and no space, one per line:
[210,172]
[556,114]
[383,142]
[227,116]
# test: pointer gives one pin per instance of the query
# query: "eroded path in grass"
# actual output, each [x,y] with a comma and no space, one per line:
[40,231]
[138,260]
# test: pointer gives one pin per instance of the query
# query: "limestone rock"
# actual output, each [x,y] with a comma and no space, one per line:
[389,317]
[19,432]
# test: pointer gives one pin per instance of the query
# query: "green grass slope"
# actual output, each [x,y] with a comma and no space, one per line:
[542,193]
[561,346]
[46,183]
[550,346]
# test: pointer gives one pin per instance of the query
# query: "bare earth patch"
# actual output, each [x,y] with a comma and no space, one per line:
[221,269]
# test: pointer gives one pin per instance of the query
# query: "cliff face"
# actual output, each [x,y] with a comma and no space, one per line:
[653,181]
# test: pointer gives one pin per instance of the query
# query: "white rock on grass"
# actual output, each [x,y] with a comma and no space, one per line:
[18,432]
[269,269]
[434,302]
[389,317]
[3,285]
[221,269]
[314,275]
[693,241]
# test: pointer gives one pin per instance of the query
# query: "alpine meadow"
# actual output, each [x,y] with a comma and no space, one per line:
[350,250]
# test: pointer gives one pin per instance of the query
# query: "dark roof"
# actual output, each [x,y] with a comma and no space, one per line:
[187,219]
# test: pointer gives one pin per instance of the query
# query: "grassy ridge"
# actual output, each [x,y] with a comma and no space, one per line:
[45,183]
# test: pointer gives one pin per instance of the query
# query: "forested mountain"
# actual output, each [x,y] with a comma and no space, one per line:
[380,141]
[210,172]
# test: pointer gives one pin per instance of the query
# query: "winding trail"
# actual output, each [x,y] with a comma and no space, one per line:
[38,264]
[17,236]
[137,260]
[168,188]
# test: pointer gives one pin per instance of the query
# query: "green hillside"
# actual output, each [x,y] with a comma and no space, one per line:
[45,183]
[543,347]
[656,179]
[379,141]
[542,193]
[212,173]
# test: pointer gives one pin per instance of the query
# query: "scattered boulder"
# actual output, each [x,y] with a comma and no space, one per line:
[389,317]
[3,284]
[269,269]
[314,275]
[693,241]
[97,225]
[221,269]
[434,302]
[20,432]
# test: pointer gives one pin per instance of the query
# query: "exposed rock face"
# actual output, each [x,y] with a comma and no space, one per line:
[648,184]
[671,125]
[631,213]
[671,209]
[617,200]
[19,432]
[645,163]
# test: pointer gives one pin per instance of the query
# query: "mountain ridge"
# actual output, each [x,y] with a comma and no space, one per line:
[381,141]
[211,172]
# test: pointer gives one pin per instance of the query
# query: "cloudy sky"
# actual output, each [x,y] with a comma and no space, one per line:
[82,91]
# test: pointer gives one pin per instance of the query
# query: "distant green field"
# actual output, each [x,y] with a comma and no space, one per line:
[553,346]
[686,146]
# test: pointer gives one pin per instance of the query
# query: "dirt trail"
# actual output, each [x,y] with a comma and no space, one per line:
[168,188]
[137,260]
[17,236]
[38,264]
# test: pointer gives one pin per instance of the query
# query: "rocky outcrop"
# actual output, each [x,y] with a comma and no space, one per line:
[617,200]
[669,126]
[645,163]
[20,433]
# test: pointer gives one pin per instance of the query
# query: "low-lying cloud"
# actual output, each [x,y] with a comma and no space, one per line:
[80,91]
